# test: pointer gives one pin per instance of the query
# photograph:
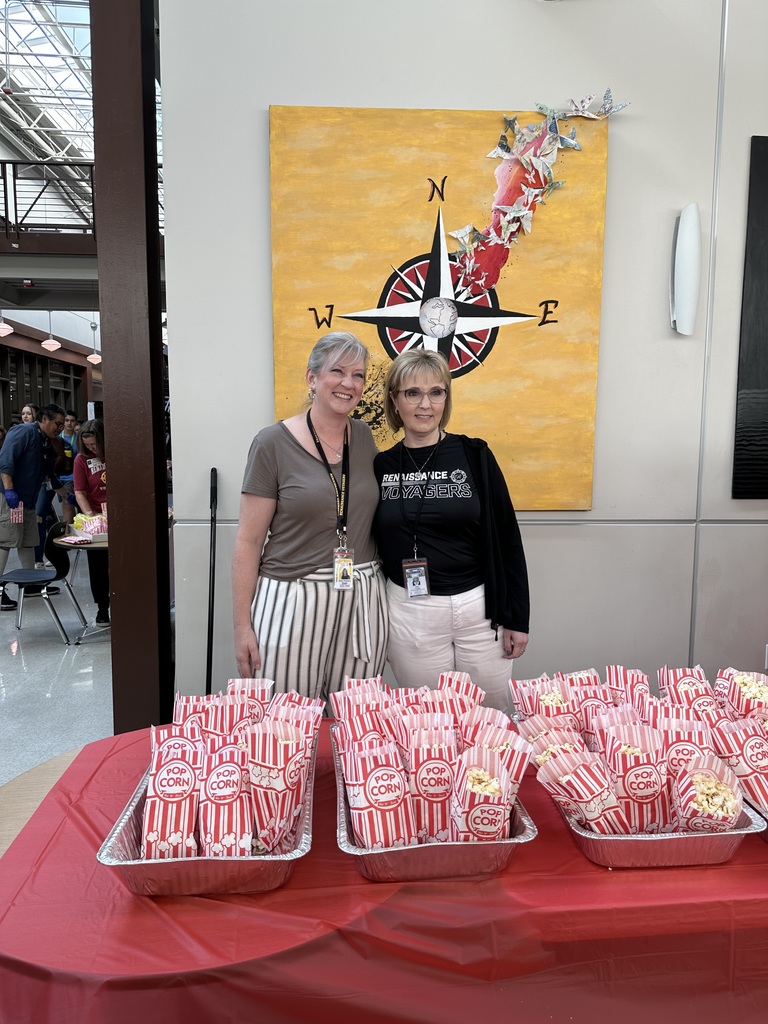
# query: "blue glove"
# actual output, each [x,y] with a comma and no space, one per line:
[12,498]
[72,500]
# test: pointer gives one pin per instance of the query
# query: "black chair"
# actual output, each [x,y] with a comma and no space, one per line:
[41,578]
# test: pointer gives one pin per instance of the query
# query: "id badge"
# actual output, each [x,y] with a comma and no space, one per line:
[416,577]
[343,566]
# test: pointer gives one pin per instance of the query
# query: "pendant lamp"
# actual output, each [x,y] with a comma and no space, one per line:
[50,344]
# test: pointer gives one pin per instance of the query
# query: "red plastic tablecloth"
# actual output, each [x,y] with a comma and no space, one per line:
[552,938]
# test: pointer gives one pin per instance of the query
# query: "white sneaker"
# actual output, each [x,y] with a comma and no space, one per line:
[39,565]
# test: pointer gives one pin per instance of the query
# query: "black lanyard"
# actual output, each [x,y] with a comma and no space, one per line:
[415,525]
[342,492]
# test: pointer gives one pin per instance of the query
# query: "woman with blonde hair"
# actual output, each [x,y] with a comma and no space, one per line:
[457,584]
[308,594]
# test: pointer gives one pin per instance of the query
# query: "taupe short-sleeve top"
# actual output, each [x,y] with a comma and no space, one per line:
[302,535]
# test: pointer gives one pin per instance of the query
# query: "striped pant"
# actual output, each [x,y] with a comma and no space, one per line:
[311,636]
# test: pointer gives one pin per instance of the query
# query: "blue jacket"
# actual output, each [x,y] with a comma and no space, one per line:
[27,456]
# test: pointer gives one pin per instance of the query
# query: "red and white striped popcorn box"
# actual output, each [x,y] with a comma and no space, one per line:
[258,693]
[557,743]
[225,813]
[306,720]
[17,514]
[538,726]
[371,683]
[460,682]
[292,697]
[583,677]
[743,746]
[581,785]
[380,806]
[424,720]
[351,701]
[191,706]
[228,715]
[684,739]
[514,753]
[432,758]
[524,695]
[278,763]
[747,694]
[447,702]
[170,811]
[590,701]
[478,717]
[722,683]
[408,696]
[185,741]
[693,693]
[639,780]
[480,816]
[687,801]
[667,675]
[627,685]
[552,699]
[623,714]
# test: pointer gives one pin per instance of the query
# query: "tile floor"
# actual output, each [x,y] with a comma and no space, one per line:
[53,697]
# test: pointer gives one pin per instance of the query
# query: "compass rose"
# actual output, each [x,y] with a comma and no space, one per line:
[425,305]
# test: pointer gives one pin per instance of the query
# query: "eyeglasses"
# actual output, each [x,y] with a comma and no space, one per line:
[414,396]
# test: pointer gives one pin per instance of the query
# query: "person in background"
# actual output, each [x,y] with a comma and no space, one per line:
[446,530]
[310,493]
[27,462]
[68,438]
[28,413]
[91,494]
[3,432]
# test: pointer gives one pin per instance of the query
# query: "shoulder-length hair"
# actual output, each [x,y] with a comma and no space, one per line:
[95,427]
[405,370]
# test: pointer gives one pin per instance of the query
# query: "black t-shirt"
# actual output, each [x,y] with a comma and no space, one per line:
[448,528]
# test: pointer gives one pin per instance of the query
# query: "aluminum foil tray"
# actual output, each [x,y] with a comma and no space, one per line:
[763,813]
[189,876]
[665,849]
[432,860]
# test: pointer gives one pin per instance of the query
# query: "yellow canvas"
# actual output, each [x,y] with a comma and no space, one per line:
[400,226]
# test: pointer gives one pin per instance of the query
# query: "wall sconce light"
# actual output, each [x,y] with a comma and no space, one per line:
[94,357]
[5,329]
[50,344]
[685,276]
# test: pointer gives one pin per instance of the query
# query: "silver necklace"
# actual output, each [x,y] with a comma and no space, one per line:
[421,467]
[336,451]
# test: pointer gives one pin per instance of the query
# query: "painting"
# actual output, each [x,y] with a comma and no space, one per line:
[475,233]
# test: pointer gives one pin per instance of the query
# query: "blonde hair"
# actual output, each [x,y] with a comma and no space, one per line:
[418,362]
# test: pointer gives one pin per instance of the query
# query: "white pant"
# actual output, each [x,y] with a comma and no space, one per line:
[430,635]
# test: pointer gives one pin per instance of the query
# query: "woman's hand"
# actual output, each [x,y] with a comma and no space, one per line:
[247,653]
[514,644]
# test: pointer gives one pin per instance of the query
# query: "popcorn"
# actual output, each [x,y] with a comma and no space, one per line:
[713,796]
[481,781]
[553,748]
[750,686]
[552,699]
[628,749]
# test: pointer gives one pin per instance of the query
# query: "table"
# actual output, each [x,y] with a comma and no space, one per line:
[551,938]
[99,543]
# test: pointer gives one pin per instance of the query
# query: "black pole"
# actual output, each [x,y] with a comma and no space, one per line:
[211,578]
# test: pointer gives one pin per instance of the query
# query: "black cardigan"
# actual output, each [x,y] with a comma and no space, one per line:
[505,575]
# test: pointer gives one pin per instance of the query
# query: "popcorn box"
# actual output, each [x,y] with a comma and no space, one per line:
[635,757]
[556,743]
[17,514]
[257,692]
[170,811]
[513,752]
[226,817]
[537,726]
[580,784]
[692,693]
[460,682]
[181,741]
[590,701]
[380,804]
[625,714]
[743,745]
[747,694]
[627,685]
[432,757]
[278,762]
[225,716]
[707,796]
[523,694]
[683,741]
[480,816]
[477,718]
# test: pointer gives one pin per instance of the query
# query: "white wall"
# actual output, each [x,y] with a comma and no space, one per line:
[663,564]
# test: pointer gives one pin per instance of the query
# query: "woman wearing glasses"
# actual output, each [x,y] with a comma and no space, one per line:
[447,533]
